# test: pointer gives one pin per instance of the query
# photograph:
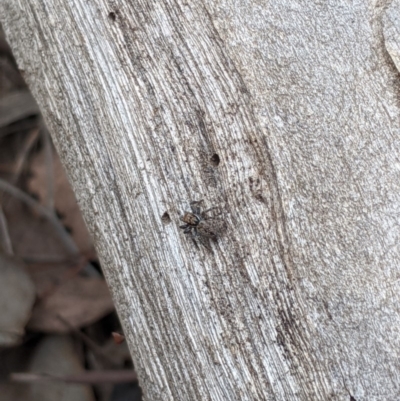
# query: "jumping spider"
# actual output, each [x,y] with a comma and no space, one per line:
[199,226]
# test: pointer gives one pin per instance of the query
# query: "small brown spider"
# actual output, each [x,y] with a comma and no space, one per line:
[200,227]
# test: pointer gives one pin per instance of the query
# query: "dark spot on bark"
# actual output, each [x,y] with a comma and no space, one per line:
[112,16]
[352,398]
[215,160]
[327,310]
[256,189]
[165,218]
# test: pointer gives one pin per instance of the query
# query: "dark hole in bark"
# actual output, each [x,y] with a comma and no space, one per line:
[165,218]
[112,16]
[215,160]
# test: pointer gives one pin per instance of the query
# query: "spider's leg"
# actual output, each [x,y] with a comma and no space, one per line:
[204,241]
[196,202]
[196,211]
[187,230]
[195,206]
[184,226]
[194,242]
[193,236]
[209,210]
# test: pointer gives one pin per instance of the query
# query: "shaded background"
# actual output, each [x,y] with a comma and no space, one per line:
[58,326]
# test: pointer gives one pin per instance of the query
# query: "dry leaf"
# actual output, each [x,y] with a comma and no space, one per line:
[32,236]
[16,106]
[17,295]
[57,355]
[64,199]
[79,301]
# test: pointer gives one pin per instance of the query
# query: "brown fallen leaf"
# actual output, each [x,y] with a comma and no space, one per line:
[33,237]
[17,295]
[54,356]
[64,198]
[49,277]
[78,300]
[17,105]
[10,77]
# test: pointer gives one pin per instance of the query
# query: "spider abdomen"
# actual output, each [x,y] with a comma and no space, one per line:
[206,229]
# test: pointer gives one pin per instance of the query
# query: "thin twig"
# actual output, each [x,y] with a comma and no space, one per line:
[52,261]
[86,377]
[43,260]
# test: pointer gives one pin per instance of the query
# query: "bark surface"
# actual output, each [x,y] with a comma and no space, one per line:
[285,115]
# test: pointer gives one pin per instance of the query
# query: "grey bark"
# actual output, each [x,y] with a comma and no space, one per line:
[299,298]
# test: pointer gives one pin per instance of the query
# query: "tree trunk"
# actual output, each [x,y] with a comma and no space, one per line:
[285,116]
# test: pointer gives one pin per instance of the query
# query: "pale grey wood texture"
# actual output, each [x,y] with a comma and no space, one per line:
[299,299]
